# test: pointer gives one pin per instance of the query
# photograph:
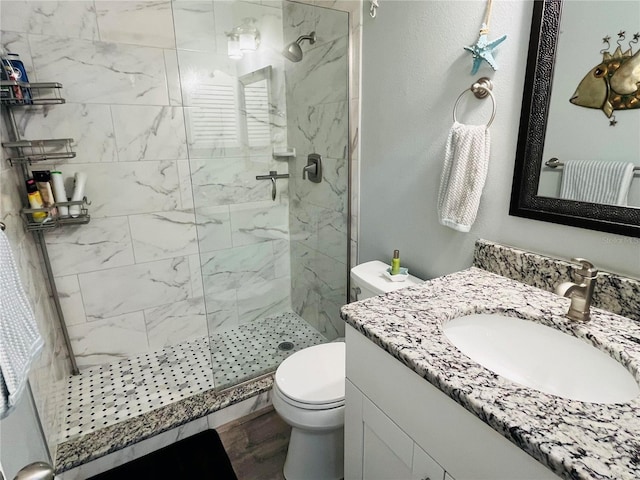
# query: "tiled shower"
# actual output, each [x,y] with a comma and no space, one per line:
[184,243]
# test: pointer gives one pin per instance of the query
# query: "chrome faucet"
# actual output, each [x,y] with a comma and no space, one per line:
[580,293]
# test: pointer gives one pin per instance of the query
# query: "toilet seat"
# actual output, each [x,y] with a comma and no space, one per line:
[313,378]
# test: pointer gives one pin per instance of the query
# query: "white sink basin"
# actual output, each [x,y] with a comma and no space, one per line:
[542,358]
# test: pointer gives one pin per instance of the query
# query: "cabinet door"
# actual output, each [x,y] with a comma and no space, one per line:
[388,451]
[426,468]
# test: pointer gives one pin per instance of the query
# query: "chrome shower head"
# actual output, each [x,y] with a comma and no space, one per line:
[293,51]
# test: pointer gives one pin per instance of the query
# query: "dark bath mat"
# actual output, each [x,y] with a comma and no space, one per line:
[201,456]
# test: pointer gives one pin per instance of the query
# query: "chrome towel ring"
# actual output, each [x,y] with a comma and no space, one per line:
[481,89]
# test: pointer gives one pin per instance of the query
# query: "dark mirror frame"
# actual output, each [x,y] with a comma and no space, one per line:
[525,202]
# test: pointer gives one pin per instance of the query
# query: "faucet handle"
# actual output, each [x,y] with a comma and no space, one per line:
[587,269]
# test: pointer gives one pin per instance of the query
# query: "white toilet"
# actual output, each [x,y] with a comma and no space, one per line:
[308,392]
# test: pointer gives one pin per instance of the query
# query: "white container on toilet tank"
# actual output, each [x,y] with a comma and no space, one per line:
[369,279]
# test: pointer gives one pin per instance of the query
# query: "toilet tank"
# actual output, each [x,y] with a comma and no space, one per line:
[368,280]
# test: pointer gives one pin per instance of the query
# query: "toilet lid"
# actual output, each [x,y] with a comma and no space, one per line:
[314,375]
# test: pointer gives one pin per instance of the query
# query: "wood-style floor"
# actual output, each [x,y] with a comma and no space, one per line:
[257,445]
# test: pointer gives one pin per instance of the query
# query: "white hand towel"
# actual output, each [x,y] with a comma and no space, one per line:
[20,341]
[466,163]
[596,181]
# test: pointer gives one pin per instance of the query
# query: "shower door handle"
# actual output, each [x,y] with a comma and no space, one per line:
[313,168]
[273,176]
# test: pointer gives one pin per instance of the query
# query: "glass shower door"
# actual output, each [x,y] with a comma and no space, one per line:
[236,94]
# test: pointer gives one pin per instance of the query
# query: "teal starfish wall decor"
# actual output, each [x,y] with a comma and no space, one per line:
[483,50]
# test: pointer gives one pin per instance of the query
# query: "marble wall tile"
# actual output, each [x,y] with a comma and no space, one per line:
[222,310]
[259,222]
[322,77]
[128,188]
[329,319]
[305,298]
[332,234]
[259,298]
[173,77]
[128,289]
[321,129]
[184,177]
[103,243]
[71,299]
[75,19]
[163,235]
[328,24]
[214,228]
[90,126]
[195,25]
[138,23]
[332,192]
[102,72]
[282,258]
[226,181]
[331,278]
[177,322]
[303,222]
[232,268]
[149,132]
[197,286]
[109,340]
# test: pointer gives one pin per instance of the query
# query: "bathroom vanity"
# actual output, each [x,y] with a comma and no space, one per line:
[418,408]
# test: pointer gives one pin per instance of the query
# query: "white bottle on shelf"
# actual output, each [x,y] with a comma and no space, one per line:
[78,193]
[59,192]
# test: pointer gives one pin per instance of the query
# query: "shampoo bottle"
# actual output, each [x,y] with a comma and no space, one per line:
[59,192]
[35,201]
[395,263]
[78,193]
[43,179]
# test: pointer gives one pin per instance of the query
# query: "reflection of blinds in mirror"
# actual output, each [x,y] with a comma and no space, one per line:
[214,122]
[256,99]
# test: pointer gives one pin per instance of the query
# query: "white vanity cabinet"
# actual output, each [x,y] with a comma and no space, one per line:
[398,426]
[387,451]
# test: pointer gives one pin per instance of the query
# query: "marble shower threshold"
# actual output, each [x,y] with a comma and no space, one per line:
[117,405]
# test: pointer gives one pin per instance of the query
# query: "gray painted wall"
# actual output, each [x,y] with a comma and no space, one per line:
[414,68]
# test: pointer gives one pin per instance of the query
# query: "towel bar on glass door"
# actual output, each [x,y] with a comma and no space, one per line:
[555,163]
[480,89]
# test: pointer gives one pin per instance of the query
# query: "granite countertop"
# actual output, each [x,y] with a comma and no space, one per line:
[577,440]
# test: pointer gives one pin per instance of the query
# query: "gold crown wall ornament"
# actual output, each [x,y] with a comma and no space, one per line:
[614,84]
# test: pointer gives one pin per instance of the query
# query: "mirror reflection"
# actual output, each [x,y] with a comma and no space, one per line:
[591,150]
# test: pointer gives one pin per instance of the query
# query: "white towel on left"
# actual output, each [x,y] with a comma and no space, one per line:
[596,181]
[20,341]
[466,163]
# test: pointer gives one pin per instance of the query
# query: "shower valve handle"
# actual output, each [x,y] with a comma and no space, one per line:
[313,168]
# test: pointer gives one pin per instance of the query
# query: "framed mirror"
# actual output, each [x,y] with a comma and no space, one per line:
[529,198]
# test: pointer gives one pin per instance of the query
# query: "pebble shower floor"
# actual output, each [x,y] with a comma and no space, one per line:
[108,394]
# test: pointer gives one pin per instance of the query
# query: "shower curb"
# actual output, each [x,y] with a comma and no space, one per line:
[91,446]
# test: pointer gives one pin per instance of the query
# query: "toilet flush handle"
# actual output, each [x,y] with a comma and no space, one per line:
[355,291]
